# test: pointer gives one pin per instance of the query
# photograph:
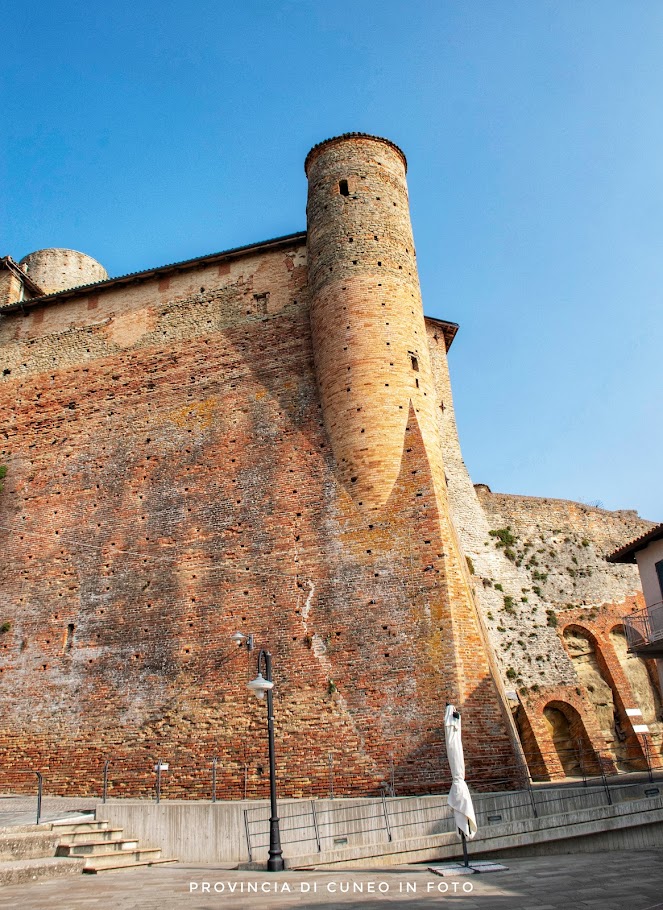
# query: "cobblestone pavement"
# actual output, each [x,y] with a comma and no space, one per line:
[609,881]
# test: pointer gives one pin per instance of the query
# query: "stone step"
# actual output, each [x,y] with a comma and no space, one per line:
[18,871]
[93,870]
[65,827]
[97,847]
[121,859]
[19,844]
[23,829]
[103,835]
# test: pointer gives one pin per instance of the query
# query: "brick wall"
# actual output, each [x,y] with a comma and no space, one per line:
[170,481]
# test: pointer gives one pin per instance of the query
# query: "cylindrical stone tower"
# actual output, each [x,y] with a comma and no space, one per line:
[367,320]
[59,270]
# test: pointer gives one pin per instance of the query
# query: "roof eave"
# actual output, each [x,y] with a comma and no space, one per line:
[159,271]
[626,554]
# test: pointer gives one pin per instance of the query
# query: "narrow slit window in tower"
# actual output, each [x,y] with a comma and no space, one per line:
[343,188]
[415,363]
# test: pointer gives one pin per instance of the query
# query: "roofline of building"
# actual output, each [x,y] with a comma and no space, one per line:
[449,329]
[334,140]
[16,269]
[627,552]
[109,283]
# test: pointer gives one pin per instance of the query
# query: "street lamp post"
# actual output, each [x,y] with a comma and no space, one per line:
[259,686]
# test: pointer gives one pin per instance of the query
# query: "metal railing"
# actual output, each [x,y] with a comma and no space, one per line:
[40,787]
[644,627]
[325,825]
[169,778]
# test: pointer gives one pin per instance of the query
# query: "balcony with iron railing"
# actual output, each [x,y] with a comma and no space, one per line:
[644,631]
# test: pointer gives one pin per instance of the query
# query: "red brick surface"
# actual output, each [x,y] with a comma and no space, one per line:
[170,480]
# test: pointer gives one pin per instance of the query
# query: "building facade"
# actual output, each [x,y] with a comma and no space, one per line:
[263,440]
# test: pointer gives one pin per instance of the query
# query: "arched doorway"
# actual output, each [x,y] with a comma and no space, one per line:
[587,663]
[645,692]
[569,737]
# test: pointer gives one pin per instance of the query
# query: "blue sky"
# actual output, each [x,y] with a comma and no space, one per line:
[144,133]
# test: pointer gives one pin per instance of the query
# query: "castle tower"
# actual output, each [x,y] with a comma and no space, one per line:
[59,270]
[367,320]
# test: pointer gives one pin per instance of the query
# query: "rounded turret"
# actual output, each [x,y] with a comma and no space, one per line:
[369,337]
[60,270]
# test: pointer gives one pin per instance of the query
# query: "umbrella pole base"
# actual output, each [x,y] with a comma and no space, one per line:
[466,861]
[452,870]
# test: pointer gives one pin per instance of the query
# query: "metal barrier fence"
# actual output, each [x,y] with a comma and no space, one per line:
[593,771]
[387,819]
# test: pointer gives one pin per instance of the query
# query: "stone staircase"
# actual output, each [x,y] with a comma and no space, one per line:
[69,847]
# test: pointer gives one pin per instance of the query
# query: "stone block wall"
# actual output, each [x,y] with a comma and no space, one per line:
[537,563]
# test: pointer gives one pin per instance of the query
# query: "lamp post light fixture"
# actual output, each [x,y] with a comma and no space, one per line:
[260,686]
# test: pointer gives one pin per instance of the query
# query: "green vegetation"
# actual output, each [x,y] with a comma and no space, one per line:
[552,618]
[511,673]
[5,627]
[498,587]
[509,605]
[470,565]
[505,541]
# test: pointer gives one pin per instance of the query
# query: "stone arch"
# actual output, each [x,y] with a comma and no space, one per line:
[570,739]
[644,686]
[590,666]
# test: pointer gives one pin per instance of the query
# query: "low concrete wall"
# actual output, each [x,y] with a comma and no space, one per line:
[206,832]
[217,832]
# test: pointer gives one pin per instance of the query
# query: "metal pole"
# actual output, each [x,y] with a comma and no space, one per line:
[105,790]
[214,779]
[275,862]
[248,835]
[386,816]
[580,754]
[604,778]
[331,775]
[466,861]
[158,780]
[528,782]
[40,784]
[315,825]
[645,744]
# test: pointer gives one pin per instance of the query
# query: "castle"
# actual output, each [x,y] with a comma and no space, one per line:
[263,440]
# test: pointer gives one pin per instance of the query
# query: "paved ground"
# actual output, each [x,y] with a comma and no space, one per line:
[608,881]
[22,810]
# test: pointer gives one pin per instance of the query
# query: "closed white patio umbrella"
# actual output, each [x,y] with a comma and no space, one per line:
[459,796]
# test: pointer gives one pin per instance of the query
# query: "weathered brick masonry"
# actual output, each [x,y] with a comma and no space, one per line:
[263,440]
